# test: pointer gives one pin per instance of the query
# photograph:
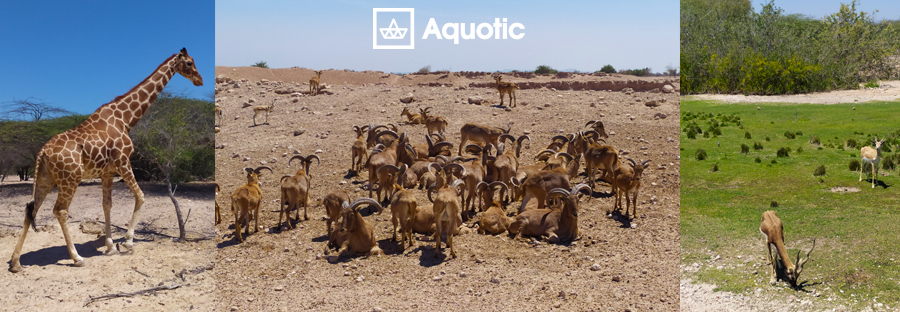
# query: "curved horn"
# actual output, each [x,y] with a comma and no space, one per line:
[633,163]
[262,167]
[375,151]
[542,153]
[373,129]
[566,155]
[218,188]
[411,150]
[800,263]
[456,184]
[475,147]
[431,166]
[248,169]
[559,137]
[591,122]
[391,169]
[356,129]
[365,200]
[442,158]
[391,132]
[645,162]
[429,141]
[365,128]
[479,187]
[460,168]
[514,181]
[430,189]
[570,137]
[506,136]
[591,133]
[508,127]
[309,159]
[285,177]
[579,187]
[442,144]
[503,188]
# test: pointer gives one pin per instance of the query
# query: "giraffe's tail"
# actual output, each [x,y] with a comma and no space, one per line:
[30,208]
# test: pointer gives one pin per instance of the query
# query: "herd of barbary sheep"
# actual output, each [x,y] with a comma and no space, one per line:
[456,187]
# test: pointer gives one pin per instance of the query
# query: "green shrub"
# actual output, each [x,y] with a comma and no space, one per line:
[745,149]
[747,135]
[851,143]
[820,171]
[782,152]
[607,69]
[888,163]
[767,139]
[789,135]
[701,154]
[260,64]
[715,167]
[636,72]
[705,134]
[757,160]
[872,84]
[773,204]
[773,161]
[692,134]
[800,150]
[757,146]
[854,165]
[545,70]
[425,70]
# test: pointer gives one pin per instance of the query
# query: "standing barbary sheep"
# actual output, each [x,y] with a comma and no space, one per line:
[314,83]
[628,180]
[480,133]
[245,199]
[434,124]
[332,203]
[358,150]
[218,210]
[403,206]
[559,225]
[506,88]
[446,205]
[261,109]
[354,230]
[295,190]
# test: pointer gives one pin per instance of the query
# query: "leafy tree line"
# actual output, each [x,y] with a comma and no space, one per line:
[727,47]
[175,134]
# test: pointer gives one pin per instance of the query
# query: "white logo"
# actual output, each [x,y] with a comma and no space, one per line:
[393,32]
[392,37]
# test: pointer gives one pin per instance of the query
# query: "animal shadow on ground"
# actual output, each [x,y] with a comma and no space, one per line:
[350,174]
[52,255]
[780,275]
[623,219]
[878,183]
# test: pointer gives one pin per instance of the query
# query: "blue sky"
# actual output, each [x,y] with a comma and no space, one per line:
[887,9]
[582,35]
[79,55]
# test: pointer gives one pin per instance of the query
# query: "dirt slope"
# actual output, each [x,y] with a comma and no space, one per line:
[633,268]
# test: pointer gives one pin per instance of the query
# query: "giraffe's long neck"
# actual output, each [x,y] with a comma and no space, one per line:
[127,109]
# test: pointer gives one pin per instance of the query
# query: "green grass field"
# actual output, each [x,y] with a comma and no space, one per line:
[857,256]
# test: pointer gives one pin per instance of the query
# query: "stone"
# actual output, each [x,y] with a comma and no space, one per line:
[408,98]
[475,100]
[668,89]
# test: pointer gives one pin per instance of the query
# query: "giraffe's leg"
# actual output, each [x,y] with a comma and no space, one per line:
[128,177]
[61,210]
[41,189]
[107,207]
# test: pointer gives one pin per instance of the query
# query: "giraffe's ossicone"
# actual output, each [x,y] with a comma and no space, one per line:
[99,147]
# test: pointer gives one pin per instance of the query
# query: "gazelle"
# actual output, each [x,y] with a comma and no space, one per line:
[871,156]
[773,230]
[263,108]
[314,83]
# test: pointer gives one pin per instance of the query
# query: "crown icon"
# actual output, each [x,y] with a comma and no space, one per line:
[393,32]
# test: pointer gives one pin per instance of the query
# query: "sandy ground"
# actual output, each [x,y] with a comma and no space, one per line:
[888,91]
[635,269]
[49,282]
[700,297]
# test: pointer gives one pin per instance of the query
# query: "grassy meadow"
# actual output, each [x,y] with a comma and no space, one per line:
[856,261]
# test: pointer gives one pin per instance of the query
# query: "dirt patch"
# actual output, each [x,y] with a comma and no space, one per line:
[844,189]
[633,268]
[49,282]
[889,91]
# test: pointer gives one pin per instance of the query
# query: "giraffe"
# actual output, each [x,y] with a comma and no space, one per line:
[98,147]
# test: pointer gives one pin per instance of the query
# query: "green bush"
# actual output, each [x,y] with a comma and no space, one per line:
[888,163]
[773,204]
[692,134]
[636,72]
[701,154]
[769,52]
[425,70]
[851,143]
[789,135]
[782,152]
[260,64]
[800,150]
[757,146]
[747,135]
[820,171]
[545,70]
[854,165]
[715,167]
[757,160]
[745,149]
[773,161]
[767,139]
[607,69]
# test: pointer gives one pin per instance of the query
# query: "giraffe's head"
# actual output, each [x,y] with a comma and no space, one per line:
[184,65]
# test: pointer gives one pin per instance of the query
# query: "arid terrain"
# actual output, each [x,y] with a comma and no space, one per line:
[49,282]
[616,264]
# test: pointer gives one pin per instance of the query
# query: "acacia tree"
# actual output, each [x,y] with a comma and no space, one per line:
[175,137]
